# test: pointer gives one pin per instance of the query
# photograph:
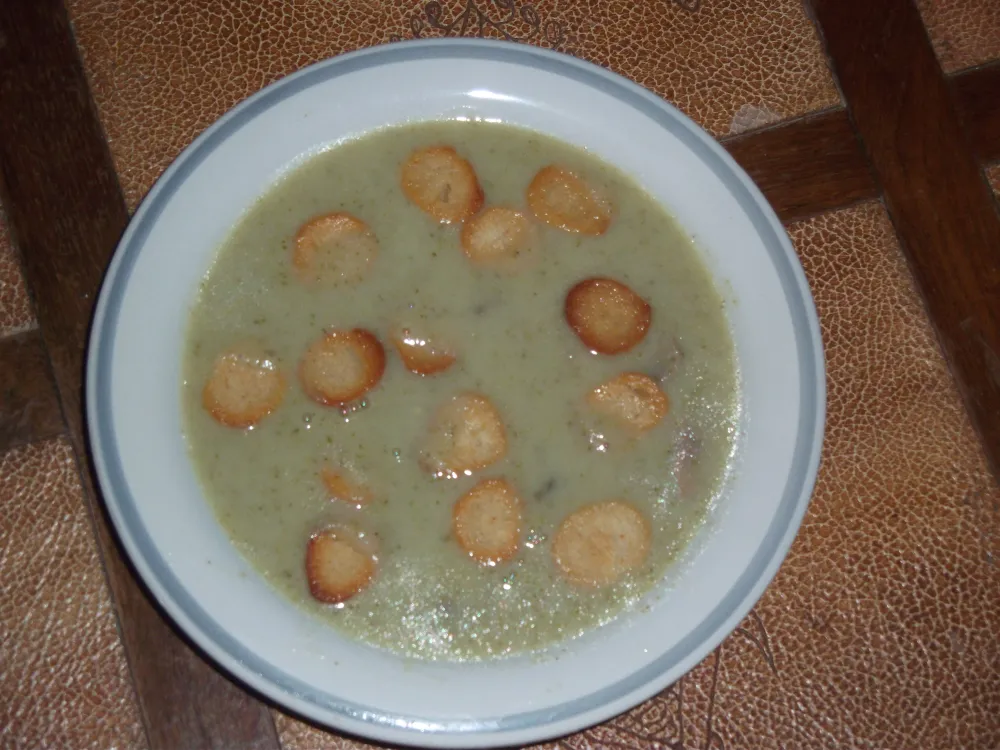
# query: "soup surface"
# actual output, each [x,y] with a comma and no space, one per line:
[511,342]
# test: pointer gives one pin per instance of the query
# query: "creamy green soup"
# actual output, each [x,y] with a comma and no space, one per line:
[428,599]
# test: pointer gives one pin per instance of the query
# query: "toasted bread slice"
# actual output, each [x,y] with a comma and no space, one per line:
[499,238]
[442,184]
[343,486]
[486,521]
[600,543]
[339,564]
[333,249]
[608,317]
[341,366]
[632,399]
[564,200]
[465,434]
[423,353]
[243,388]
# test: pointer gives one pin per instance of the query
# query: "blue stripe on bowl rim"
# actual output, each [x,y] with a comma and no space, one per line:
[298,696]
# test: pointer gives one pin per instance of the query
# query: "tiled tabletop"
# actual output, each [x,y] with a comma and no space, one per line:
[730,65]
[881,628]
[964,32]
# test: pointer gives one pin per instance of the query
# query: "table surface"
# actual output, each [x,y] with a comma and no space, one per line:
[873,128]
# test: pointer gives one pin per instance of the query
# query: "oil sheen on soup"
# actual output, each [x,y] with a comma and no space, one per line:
[460,389]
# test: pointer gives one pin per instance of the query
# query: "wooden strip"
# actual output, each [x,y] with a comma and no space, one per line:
[943,211]
[29,404]
[806,166]
[816,163]
[978,95]
[66,209]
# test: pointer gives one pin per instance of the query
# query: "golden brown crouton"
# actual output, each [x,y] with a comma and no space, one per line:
[466,433]
[332,249]
[499,238]
[608,317]
[343,486]
[486,521]
[600,543]
[632,399]
[339,564]
[423,353]
[442,184]
[566,201]
[243,388]
[341,366]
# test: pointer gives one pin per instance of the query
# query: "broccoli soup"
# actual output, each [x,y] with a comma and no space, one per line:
[459,389]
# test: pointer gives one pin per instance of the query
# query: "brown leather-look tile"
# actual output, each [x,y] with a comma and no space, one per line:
[882,622]
[162,71]
[993,175]
[732,65]
[64,682]
[879,630]
[964,32]
[16,314]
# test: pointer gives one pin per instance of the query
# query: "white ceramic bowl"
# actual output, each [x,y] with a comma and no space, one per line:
[203,583]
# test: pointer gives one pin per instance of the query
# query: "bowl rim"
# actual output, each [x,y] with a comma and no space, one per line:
[600,705]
